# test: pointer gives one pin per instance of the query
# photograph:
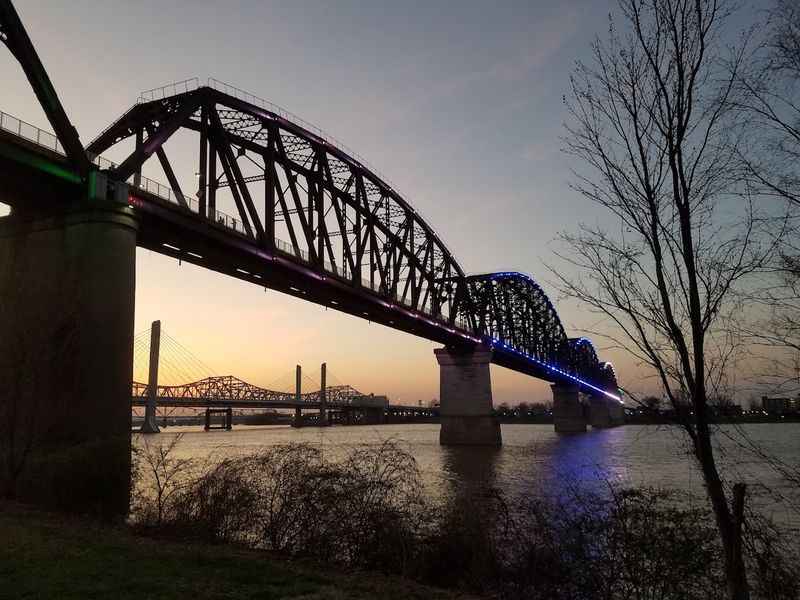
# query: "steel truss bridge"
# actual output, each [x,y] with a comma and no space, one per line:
[310,219]
[229,391]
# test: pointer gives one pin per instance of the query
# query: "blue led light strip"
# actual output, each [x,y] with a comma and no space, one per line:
[498,344]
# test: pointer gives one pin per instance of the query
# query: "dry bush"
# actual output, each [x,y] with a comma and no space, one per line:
[368,511]
[158,478]
[219,505]
[771,560]
[638,544]
[463,546]
[365,511]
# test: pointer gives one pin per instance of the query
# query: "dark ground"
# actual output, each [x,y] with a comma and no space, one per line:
[46,555]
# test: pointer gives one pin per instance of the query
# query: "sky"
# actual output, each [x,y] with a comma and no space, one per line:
[459,104]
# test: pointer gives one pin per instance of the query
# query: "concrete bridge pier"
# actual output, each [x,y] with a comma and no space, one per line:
[67,284]
[605,412]
[227,414]
[465,396]
[568,411]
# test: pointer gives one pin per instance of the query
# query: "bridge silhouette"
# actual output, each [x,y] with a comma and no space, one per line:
[309,219]
[339,403]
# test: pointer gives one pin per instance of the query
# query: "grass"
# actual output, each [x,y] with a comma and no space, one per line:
[45,555]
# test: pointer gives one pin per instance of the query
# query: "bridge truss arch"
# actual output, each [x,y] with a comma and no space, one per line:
[293,192]
[511,308]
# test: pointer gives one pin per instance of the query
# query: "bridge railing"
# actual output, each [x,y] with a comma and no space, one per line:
[171,89]
[29,132]
[188,85]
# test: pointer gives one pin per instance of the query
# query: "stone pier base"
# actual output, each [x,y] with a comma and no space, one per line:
[465,396]
[66,358]
[605,412]
[568,412]
[149,425]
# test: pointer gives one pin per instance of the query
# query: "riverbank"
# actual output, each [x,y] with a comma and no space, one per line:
[46,555]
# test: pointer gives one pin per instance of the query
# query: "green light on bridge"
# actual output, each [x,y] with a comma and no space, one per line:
[39,163]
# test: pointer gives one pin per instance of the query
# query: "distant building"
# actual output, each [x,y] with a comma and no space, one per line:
[780,406]
[728,410]
[371,401]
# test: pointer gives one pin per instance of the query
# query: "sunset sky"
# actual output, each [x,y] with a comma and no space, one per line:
[458,104]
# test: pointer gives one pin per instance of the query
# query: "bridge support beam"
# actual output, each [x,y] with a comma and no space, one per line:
[605,412]
[465,396]
[568,413]
[66,358]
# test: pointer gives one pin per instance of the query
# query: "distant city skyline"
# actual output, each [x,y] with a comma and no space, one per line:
[461,110]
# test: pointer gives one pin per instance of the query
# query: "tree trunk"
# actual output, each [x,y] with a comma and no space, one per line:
[728,523]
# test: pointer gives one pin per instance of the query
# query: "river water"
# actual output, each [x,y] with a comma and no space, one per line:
[535,460]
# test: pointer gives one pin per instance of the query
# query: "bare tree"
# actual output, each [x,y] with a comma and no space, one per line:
[168,475]
[652,129]
[770,103]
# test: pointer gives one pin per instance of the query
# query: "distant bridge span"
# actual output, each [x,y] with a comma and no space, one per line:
[228,391]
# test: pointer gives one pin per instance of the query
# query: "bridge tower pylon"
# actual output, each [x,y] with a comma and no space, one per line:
[149,425]
[298,382]
[323,393]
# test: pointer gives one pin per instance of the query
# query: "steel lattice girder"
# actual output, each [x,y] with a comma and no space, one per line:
[512,308]
[337,214]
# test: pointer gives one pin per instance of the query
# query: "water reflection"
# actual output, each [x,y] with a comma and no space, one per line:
[470,467]
[551,465]
[590,457]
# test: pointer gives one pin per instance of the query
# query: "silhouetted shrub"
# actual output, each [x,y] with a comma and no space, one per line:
[772,563]
[368,511]
[364,511]
[639,543]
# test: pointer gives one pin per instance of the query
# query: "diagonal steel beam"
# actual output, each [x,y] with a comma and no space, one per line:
[224,146]
[134,162]
[173,181]
[16,39]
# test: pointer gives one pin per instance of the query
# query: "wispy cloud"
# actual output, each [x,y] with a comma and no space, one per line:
[527,54]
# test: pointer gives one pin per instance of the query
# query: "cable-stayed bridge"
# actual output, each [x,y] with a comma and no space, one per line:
[160,358]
